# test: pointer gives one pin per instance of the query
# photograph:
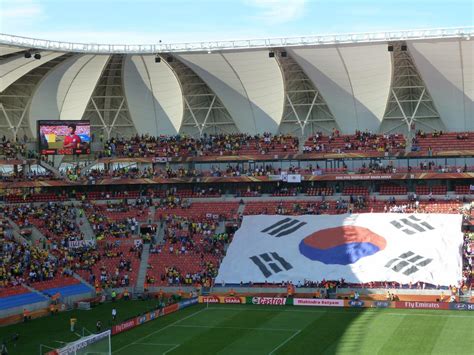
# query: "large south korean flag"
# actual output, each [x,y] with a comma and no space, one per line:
[359,248]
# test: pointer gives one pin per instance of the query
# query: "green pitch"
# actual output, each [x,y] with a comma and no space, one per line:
[238,329]
[52,330]
[251,329]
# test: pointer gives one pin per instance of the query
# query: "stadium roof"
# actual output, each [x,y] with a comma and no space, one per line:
[308,84]
[364,37]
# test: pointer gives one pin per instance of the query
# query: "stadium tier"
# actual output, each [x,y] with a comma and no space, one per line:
[338,175]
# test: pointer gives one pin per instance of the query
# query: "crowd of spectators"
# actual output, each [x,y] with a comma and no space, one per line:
[360,141]
[29,176]
[105,226]
[10,150]
[193,247]
[112,261]
[25,263]
[468,259]
[137,173]
[189,254]
[56,221]
[108,264]
[208,145]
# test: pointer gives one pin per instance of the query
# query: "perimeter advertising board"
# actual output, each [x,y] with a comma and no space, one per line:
[421,305]
[136,321]
[462,306]
[317,302]
[222,299]
[270,301]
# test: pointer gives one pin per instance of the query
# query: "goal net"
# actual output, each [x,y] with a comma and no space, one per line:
[95,344]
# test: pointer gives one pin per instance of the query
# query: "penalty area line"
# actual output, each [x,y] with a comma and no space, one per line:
[284,342]
[159,330]
[243,328]
[156,344]
[174,347]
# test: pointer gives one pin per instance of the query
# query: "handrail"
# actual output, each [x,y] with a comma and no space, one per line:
[257,43]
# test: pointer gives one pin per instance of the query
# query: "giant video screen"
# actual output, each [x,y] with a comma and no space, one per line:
[64,137]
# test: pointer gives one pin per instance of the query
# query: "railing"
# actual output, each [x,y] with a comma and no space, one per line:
[366,37]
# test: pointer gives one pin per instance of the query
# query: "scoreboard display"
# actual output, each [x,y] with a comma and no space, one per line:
[64,137]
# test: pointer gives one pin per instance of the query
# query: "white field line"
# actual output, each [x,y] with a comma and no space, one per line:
[346,310]
[159,330]
[158,344]
[174,347]
[274,329]
[245,328]
[284,342]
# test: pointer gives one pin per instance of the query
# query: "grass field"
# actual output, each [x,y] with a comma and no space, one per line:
[250,329]
[52,329]
[253,329]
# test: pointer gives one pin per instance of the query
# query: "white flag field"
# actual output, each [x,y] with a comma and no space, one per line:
[358,248]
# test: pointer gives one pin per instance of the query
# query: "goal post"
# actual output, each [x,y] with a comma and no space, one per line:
[95,344]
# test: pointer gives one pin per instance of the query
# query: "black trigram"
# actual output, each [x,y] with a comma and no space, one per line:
[284,227]
[270,263]
[411,225]
[408,263]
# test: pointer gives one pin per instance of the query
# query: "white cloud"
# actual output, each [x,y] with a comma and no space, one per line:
[20,10]
[273,12]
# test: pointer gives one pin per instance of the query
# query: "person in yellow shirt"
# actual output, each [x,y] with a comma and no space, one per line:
[72,323]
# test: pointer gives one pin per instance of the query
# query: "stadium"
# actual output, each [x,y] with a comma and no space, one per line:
[266,196]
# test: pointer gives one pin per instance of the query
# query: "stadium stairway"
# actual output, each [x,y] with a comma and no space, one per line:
[220,227]
[240,210]
[84,225]
[151,214]
[88,167]
[79,277]
[16,232]
[51,168]
[36,235]
[160,234]
[34,290]
[139,287]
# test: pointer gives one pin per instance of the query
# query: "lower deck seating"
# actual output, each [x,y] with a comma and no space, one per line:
[319,191]
[12,291]
[393,190]
[57,282]
[422,190]
[117,266]
[355,190]
[20,300]
[70,290]
[228,210]
[463,190]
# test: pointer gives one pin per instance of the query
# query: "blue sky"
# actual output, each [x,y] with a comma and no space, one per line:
[148,21]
